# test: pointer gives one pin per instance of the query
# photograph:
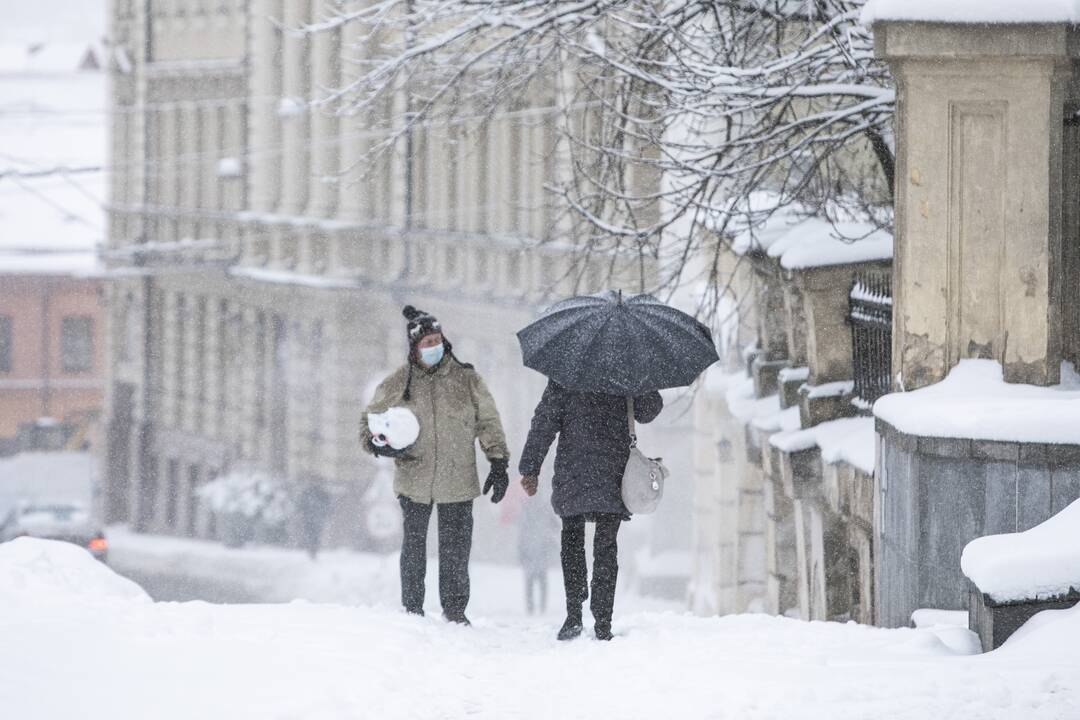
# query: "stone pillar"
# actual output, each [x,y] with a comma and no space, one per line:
[210,121]
[352,146]
[325,145]
[167,165]
[264,162]
[190,145]
[294,110]
[980,113]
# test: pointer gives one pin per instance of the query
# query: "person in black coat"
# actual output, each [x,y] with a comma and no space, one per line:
[594,445]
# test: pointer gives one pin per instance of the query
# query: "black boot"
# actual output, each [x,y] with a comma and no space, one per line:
[572,627]
[457,617]
[603,631]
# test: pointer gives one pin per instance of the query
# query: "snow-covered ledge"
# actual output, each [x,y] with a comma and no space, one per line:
[966,457]
[1016,575]
[974,402]
[973,11]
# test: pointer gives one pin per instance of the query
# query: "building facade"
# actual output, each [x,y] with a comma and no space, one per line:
[52,360]
[818,498]
[784,443]
[259,259]
[52,310]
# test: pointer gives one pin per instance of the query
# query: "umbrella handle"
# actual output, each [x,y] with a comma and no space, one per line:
[630,421]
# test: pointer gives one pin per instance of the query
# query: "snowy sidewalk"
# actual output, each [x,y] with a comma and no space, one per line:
[181,568]
[81,642]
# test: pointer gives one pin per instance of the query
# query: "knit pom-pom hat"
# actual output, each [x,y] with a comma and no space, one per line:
[419,325]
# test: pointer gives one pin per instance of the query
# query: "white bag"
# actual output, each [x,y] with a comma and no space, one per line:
[643,478]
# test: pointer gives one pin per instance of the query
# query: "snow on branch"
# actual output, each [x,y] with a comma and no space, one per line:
[667,116]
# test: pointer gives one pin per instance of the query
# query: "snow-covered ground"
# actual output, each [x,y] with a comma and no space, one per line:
[181,568]
[81,642]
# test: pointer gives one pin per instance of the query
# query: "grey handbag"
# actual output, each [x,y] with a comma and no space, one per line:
[643,479]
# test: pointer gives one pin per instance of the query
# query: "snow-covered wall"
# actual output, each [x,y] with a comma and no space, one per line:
[1040,563]
[973,11]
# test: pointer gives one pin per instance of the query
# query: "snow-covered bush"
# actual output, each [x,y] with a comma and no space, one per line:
[247,492]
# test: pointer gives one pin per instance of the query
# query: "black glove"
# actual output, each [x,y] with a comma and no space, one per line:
[497,479]
[387,451]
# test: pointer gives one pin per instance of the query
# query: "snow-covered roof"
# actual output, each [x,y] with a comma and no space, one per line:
[51,57]
[759,221]
[818,243]
[973,11]
[744,405]
[974,401]
[849,440]
[780,421]
[1042,562]
[49,120]
[800,243]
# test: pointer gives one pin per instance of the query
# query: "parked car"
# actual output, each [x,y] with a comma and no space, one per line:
[55,521]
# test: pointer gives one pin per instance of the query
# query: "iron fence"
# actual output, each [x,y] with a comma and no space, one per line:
[870,317]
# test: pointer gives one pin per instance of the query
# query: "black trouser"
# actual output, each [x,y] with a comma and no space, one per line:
[605,565]
[455,543]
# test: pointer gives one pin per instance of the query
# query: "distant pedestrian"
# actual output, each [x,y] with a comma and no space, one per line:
[538,530]
[454,410]
[594,445]
[312,506]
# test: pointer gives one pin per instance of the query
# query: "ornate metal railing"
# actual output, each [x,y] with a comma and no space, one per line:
[870,317]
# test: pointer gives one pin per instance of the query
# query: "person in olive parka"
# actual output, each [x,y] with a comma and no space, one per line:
[454,409]
[594,445]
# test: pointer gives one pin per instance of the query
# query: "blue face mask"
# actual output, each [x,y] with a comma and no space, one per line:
[432,356]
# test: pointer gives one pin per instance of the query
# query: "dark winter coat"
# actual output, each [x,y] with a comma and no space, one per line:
[594,444]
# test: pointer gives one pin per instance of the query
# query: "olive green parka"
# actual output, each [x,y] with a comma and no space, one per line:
[455,409]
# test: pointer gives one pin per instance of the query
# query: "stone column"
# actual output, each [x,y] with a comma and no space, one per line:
[352,145]
[325,145]
[294,110]
[394,167]
[264,161]
[189,165]
[210,185]
[167,166]
[978,262]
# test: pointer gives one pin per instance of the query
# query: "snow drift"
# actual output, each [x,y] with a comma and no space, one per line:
[66,616]
[1039,563]
[34,571]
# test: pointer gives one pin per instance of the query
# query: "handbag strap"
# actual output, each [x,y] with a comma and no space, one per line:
[630,422]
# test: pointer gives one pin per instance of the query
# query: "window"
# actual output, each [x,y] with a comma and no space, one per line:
[77,343]
[317,369]
[179,355]
[129,323]
[451,263]
[6,341]
[222,364]
[260,370]
[173,494]
[200,361]
[192,499]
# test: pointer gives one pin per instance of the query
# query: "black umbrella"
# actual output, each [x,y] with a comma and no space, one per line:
[607,344]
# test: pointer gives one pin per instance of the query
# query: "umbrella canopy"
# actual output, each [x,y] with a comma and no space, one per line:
[621,346]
